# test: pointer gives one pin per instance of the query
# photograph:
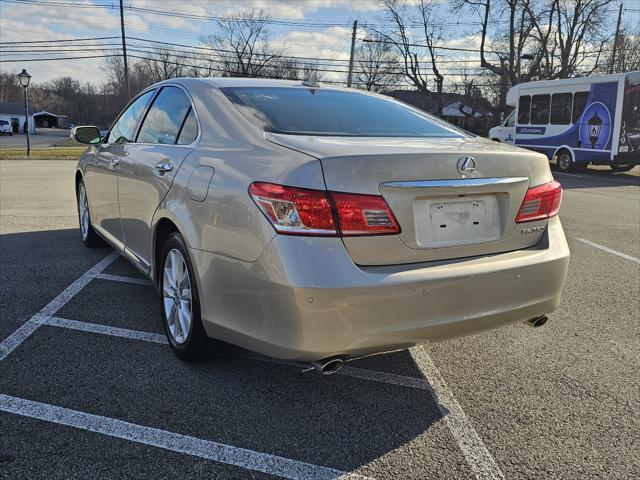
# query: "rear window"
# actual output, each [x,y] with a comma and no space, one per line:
[304,111]
[4,122]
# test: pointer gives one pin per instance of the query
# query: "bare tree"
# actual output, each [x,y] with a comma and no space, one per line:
[311,72]
[284,68]
[377,65]
[627,52]
[10,91]
[418,61]
[507,53]
[242,44]
[571,36]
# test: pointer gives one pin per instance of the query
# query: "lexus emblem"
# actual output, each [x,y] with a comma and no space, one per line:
[466,165]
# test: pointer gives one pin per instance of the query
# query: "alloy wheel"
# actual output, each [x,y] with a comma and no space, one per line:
[176,292]
[83,211]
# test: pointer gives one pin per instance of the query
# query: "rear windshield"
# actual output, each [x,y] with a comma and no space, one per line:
[305,111]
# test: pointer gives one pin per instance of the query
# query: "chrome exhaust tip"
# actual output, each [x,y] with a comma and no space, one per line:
[329,365]
[538,321]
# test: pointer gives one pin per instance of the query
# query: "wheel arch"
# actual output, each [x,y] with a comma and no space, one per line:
[568,149]
[164,226]
[77,179]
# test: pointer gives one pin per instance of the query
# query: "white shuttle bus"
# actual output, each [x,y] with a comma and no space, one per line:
[579,121]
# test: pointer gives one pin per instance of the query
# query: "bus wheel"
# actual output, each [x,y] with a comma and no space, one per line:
[564,161]
[621,168]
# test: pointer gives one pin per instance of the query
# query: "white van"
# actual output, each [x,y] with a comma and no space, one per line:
[578,121]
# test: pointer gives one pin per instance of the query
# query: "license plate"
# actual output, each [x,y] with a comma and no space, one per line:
[459,221]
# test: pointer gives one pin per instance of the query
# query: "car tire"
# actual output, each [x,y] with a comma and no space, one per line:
[180,303]
[564,161]
[621,168]
[87,233]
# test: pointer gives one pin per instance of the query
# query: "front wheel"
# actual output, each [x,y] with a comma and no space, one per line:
[564,161]
[181,303]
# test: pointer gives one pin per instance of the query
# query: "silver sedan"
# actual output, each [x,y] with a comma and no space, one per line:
[319,224]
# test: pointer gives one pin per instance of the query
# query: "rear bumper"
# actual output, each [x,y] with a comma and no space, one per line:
[304,299]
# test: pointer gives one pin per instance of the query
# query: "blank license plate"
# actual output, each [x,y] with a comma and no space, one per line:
[459,221]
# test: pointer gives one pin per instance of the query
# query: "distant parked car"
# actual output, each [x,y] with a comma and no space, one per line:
[5,127]
[319,224]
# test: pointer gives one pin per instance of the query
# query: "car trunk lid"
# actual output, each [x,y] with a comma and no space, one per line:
[443,214]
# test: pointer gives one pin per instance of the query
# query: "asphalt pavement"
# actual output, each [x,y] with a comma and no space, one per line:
[43,137]
[89,388]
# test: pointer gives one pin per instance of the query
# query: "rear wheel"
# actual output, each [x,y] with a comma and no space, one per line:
[87,233]
[180,302]
[621,168]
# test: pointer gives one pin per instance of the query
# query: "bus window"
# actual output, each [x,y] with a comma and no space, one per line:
[523,109]
[511,120]
[561,108]
[579,102]
[540,109]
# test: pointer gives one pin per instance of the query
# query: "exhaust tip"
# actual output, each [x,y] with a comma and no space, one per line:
[328,365]
[538,321]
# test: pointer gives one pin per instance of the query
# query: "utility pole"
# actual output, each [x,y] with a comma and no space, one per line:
[615,41]
[124,52]
[353,51]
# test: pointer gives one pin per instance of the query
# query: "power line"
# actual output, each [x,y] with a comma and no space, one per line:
[60,40]
[58,58]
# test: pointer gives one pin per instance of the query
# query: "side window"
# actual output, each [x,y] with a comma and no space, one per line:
[189,131]
[511,120]
[524,107]
[165,118]
[561,108]
[125,127]
[540,109]
[579,102]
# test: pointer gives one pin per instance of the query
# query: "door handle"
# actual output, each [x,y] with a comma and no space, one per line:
[164,167]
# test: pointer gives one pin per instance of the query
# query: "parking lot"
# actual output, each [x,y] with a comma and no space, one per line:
[89,388]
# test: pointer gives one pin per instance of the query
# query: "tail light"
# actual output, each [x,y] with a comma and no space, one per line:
[302,211]
[540,202]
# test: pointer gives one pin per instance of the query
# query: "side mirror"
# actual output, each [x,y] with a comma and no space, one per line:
[87,135]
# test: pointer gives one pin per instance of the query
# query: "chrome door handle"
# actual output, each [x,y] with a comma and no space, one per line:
[163,168]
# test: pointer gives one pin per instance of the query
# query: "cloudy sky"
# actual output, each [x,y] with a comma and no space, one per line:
[33,20]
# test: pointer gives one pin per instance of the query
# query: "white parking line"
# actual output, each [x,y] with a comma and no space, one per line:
[475,452]
[103,329]
[21,334]
[609,250]
[218,452]
[471,445]
[566,174]
[362,373]
[121,278]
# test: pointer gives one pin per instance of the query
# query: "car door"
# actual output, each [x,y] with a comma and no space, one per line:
[101,174]
[149,165]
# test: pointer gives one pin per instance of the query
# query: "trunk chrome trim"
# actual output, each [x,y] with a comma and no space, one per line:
[454,183]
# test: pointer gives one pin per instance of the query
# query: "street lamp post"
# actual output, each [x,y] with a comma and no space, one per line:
[24,79]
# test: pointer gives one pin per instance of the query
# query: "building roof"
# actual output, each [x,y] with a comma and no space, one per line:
[37,114]
[13,108]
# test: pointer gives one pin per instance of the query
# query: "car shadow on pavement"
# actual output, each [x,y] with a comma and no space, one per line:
[339,421]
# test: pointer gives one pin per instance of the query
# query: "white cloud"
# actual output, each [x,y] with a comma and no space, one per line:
[331,43]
